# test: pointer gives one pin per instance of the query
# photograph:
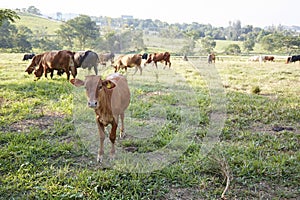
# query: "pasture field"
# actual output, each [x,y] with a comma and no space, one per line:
[195,131]
[40,25]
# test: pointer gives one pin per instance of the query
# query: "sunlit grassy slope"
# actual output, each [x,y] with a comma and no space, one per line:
[38,24]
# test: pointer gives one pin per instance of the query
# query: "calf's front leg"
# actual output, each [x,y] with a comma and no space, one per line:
[102,137]
[112,137]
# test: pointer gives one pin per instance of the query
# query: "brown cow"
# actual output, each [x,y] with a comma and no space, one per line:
[211,58]
[110,98]
[268,58]
[62,61]
[105,57]
[129,60]
[159,57]
[34,62]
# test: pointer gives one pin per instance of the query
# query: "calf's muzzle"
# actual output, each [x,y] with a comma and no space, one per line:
[92,104]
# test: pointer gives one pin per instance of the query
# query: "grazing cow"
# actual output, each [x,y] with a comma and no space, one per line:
[62,61]
[185,58]
[268,58]
[34,62]
[109,98]
[211,58]
[145,56]
[293,59]
[105,57]
[87,59]
[159,57]
[28,56]
[256,58]
[129,60]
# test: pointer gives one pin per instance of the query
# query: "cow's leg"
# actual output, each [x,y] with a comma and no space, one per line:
[138,68]
[68,74]
[112,137]
[96,69]
[45,72]
[122,128]
[102,137]
[51,73]
[73,71]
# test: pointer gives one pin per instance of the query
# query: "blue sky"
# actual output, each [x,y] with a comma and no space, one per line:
[255,12]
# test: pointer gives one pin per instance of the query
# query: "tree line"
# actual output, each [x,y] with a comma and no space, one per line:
[126,35]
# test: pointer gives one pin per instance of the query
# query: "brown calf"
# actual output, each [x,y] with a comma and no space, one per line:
[109,98]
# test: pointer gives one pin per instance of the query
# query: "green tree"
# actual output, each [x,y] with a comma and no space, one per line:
[46,44]
[270,42]
[7,31]
[15,39]
[33,10]
[189,47]
[66,34]
[7,14]
[233,49]
[208,44]
[22,39]
[79,31]
[249,42]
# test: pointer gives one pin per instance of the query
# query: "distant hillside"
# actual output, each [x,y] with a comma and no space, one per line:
[293,28]
[38,24]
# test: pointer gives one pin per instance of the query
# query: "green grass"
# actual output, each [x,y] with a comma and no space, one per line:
[38,25]
[49,140]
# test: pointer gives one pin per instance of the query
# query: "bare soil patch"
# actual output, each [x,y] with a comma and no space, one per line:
[44,122]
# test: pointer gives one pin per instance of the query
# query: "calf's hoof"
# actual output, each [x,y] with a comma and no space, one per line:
[99,159]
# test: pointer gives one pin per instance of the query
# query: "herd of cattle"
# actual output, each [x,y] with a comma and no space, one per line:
[66,61]
[109,97]
[261,58]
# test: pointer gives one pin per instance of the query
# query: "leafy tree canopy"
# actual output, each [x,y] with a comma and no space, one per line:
[7,14]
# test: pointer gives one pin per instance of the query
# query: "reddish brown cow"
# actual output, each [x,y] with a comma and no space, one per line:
[57,60]
[159,57]
[129,60]
[109,98]
[34,62]
[268,58]
[211,58]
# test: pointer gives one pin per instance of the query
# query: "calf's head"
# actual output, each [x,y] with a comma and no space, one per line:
[96,89]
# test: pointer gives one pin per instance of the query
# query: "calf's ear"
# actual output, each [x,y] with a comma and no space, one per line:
[108,84]
[77,82]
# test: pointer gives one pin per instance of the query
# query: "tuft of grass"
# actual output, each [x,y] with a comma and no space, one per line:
[255,90]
